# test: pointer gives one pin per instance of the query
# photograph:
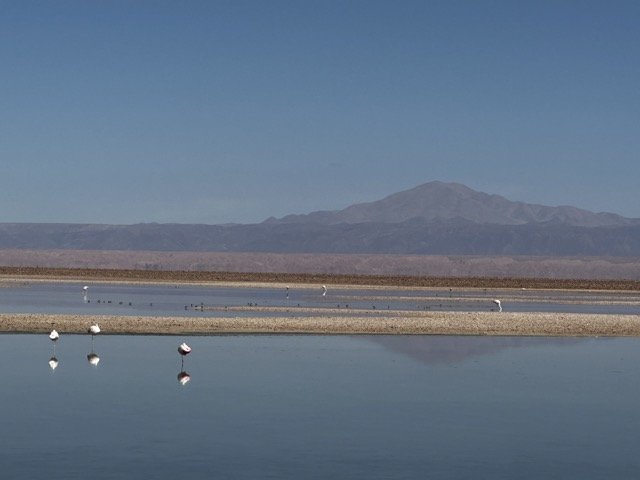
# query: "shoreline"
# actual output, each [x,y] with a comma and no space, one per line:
[52,274]
[427,323]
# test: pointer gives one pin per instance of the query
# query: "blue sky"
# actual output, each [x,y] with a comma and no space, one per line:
[216,111]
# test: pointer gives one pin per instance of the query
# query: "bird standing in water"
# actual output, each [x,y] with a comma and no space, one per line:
[53,361]
[184,350]
[497,302]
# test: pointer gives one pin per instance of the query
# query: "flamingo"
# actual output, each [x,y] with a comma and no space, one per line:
[54,335]
[94,329]
[497,302]
[324,290]
[184,350]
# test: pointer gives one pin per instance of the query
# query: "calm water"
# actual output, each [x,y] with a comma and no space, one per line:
[320,407]
[171,300]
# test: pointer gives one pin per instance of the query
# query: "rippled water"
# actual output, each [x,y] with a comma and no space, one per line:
[320,407]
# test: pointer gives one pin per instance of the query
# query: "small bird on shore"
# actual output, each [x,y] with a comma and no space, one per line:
[54,335]
[499,304]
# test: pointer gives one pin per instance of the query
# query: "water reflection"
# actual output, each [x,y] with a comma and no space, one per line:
[184,378]
[457,349]
[93,359]
[264,406]
[53,363]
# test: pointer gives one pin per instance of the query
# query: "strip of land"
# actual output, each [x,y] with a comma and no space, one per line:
[286,320]
[181,276]
[427,323]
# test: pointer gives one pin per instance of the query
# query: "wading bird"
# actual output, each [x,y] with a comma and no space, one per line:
[94,329]
[497,302]
[324,290]
[184,350]
[54,336]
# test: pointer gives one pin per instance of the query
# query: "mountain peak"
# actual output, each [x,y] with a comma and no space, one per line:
[437,200]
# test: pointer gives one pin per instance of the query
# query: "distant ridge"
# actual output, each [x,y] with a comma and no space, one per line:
[453,201]
[432,219]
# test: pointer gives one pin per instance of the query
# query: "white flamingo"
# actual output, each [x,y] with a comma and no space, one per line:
[54,336]
[184,350]
[94,329]
[497,302]
[324,290]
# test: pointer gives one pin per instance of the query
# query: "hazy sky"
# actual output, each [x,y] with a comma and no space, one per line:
[216,111]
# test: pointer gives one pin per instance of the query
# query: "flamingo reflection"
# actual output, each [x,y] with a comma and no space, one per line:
[53,363]
[184,378]
[93,359]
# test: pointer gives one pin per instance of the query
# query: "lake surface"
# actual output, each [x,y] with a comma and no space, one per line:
[383,407]
[184,300]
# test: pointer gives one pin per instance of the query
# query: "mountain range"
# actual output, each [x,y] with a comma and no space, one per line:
[438,201]
[433,218]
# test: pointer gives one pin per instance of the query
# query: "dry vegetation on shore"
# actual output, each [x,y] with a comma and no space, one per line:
[86,274]
[433,323]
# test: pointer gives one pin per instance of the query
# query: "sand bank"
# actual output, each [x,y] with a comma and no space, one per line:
[428,323]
